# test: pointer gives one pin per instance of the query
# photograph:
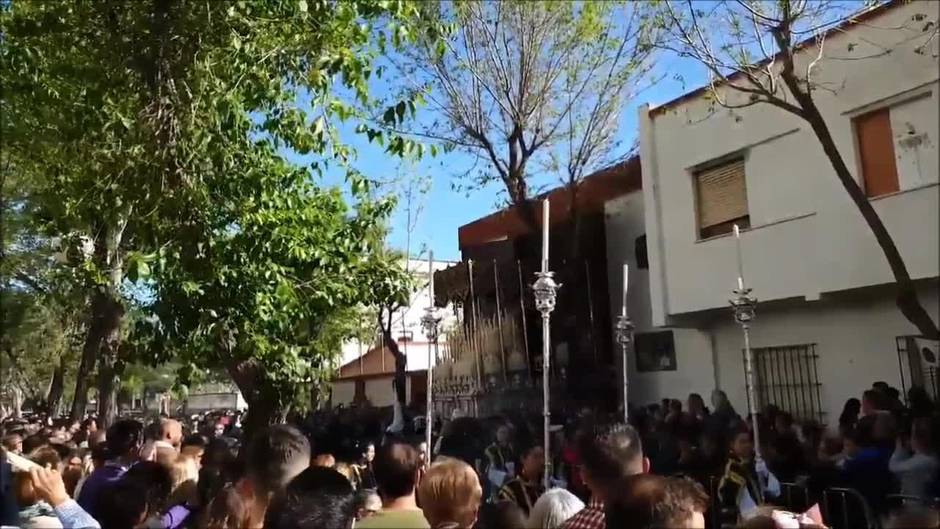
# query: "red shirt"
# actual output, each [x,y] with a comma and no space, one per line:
[590,517]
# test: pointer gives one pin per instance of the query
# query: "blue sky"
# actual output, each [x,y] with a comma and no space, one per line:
[444,209]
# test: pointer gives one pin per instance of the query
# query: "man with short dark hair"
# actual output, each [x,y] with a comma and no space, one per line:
[607,459]
[318,498]
[124,439]
[397,467]
[650,501]
[275,456]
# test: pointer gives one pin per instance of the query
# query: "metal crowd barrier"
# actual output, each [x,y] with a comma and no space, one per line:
[852,505]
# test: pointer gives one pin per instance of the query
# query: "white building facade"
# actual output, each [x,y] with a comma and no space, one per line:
[826,326]
[368,370]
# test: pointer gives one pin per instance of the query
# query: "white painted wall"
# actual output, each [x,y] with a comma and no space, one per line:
[855,342]
[695,371]
[807,238]
[409,319]
[379,391]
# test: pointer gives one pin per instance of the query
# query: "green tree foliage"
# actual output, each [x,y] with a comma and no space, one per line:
[154,131]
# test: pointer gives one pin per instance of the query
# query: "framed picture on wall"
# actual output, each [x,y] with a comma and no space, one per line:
[655,351]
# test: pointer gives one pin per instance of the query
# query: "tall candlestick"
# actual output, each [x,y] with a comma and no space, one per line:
[626,277]
[737,244]
[429,404]
[545,235]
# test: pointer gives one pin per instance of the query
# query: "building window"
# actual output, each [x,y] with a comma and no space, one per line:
[721,196]
[639,251]
[788,377]
[876,152]
[360,391]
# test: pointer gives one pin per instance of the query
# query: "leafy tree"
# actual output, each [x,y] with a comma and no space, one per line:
[270,300]
[519,83]
[130,125]
[773,53]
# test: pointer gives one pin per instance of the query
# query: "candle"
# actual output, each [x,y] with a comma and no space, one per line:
[545,235]
[431,276]
[626,277]
[737,244]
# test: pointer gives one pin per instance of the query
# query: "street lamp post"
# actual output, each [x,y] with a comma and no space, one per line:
[745,306]
[624,332]
[545,289]
[431,322]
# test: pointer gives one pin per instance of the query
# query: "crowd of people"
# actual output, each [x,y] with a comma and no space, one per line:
[677,465]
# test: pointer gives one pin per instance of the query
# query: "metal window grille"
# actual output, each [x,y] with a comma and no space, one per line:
[788,377]
[918,364]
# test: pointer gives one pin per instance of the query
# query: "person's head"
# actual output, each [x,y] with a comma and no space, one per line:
[647,501]
[140,494]
[872,401]
[501,515]
[610,456]
[423,453]
[324,460]
[368,453]
[317,498]
[96,438]
[921,435]
[851,409]
[553,509]
[13,443]
[742,444]
[219,429]
[193,447]
[171,431]
[450,492]
[275,456]
[532,462]
[124,440]
[367,503]
[396,468]
[919,399]
[33,442]
[783,423]
[695,403]
[90,425]
[46,456]
[227,510]
[502,434]
[345,470]
[185,476]
[675,406]
[719,399]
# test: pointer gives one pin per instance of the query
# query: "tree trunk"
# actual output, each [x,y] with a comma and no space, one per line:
[906,295]
[89,356]
[54,398]
[17,402]
[268,403]
[401,361]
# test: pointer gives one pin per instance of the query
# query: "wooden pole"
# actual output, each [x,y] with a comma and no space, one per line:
[525,328]
[429,415]
[499,320]
[473,323]
[590,300]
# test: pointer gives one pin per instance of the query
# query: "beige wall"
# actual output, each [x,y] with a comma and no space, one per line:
[854,334]
[855,341]
[695,369]
[379,391]
[807,238]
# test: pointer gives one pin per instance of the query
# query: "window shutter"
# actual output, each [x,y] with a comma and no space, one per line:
[722,195]
[876,153]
